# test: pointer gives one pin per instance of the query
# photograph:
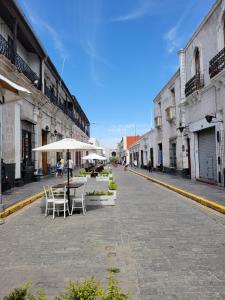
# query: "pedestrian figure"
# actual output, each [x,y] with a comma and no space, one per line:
[125,167]
[135,163]
[149,166]
[58,168]
[70,166]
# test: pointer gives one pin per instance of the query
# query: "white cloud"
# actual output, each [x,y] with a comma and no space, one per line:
[135,14]
[114,133]
[43,25]
[174,38]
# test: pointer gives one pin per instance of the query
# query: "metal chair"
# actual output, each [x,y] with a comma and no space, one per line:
[79,202]
[59,202]
[48,199]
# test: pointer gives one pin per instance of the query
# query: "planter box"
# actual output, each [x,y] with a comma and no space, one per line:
[102,178]
[100,200]
[114,193]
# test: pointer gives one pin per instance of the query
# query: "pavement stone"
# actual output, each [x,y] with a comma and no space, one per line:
[208,191]
[165,245]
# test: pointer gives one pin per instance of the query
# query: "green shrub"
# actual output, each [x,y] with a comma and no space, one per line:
[112,185]
[24,293]
[99,193]
[84,173]
[113,292]
[88,289]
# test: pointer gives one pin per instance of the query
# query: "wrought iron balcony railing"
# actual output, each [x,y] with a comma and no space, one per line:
[217,63]
[20,64]
[63,107]
[4,49]
[23,67]
[194,84]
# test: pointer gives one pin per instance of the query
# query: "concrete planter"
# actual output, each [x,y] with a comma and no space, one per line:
[114,193]
[105,200]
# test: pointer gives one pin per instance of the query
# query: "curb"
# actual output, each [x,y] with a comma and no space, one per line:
[15,207]
[206,202]
[22,203]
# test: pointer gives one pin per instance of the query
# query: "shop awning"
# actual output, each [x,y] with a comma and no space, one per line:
[7,85]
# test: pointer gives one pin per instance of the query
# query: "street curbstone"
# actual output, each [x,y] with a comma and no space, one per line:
[22,203]
[15,207]
[206,202]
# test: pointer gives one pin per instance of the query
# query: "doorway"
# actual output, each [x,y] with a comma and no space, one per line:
[152,157]
[44,154]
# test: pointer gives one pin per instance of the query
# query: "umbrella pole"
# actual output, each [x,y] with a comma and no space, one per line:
[68,173]
[68,179]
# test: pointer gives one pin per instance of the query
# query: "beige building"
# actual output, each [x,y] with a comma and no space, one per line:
[48,114]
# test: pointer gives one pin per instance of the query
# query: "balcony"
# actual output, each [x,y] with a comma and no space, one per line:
[217,63]
[170,113]
[20,64]
[194,84]
[158,121]
[68,111]
[51,96]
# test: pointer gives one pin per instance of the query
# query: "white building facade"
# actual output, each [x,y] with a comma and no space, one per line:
[189,111]
[202,97]
[46,115]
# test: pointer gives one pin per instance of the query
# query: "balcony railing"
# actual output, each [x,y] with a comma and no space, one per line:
[20,64]
[23,67]
[194,84]
[66,110]
[217,63]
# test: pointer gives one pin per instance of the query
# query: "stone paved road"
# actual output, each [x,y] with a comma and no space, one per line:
[208,191]
[166,246]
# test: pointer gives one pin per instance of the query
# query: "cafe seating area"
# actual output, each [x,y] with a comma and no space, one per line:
[64,199]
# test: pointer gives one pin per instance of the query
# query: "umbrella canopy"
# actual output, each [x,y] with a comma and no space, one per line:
[66,144]
[94,156]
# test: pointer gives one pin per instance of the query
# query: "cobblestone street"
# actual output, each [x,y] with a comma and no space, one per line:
[166,246]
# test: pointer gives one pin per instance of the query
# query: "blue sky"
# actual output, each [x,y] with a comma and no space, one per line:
[117,54]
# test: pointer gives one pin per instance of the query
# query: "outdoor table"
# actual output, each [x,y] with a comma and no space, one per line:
[72,185]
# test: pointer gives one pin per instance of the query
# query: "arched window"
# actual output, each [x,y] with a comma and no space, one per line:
[197,62]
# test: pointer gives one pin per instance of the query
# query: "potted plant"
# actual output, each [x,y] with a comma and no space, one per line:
[112,186]
[99,198]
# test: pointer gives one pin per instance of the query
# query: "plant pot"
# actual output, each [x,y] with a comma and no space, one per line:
[114,193]
[104,200]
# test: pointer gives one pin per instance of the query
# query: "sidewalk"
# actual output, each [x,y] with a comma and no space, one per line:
[17,194]
[208,191]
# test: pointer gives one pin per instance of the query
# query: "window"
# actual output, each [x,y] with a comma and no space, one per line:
[173,95]
[173,154]
[224,30]
[197,62]
[27,143]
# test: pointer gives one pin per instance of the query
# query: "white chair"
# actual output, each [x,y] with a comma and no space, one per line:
[48,199]
[59,202]
[79,202]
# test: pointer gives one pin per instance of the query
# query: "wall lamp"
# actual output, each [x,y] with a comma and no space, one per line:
[47,129]
[209,119]
[182,127]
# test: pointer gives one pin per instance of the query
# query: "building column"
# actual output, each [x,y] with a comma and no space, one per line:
[17,137]
[36,141]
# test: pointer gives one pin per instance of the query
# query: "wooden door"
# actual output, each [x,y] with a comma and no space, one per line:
[44,154]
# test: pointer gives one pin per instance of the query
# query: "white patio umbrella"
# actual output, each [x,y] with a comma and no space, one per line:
[93,156]
[66,145]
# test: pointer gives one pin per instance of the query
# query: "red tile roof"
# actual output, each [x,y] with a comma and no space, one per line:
[131,140]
